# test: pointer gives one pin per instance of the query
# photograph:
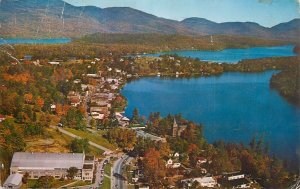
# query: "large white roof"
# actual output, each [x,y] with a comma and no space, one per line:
[27,160]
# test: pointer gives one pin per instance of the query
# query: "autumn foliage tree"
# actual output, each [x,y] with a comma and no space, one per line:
[40,102]
[125,138]
[154,168]
[28,98]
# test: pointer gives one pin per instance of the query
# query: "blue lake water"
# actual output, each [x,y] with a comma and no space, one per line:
[233,107]
[234,55]
[34,41]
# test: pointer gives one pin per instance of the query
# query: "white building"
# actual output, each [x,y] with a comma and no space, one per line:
[208,182]
[54,63]
[169,163]
[52,164]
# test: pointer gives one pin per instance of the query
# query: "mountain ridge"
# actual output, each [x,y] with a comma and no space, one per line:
[56,18]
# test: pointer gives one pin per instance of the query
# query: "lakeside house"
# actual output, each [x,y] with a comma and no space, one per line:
[52,164]
[123,120]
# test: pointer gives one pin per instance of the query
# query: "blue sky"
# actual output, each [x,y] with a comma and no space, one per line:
[265,12]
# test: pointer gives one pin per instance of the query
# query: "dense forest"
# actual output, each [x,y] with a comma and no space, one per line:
[172,42]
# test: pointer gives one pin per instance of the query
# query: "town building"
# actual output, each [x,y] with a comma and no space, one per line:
[74,98]
[208,182]
[52,164]
[235,180]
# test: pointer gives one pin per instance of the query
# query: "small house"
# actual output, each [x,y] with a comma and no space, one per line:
[176,155]
[53,107]
[13,181]
[176,165]
[201,160]
[169,163]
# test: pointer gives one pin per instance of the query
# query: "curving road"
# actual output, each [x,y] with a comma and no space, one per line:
[117,182]
[107,151]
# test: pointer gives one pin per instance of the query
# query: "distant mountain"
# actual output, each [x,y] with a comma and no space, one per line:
[42,18]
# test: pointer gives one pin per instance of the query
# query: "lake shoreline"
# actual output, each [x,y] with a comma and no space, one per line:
[179,80]
[34,41]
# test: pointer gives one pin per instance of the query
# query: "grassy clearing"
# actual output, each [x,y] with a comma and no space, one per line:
[94,137]
[107,169]
[106,183]
[55,142]
[56,184]
[52,141]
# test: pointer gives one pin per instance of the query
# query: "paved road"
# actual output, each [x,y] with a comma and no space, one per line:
[118,183]
[99,175]
[107,151]
[91,130]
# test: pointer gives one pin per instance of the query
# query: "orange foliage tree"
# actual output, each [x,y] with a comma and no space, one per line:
[154,167]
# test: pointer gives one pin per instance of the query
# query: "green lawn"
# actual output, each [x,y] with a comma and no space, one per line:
[95,151]
[107,169]
[56,184]
[94,137]
[80,183]
[106,183]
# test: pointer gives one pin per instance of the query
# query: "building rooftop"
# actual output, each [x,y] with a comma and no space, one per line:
[87,166]
[13,180]
[29,160]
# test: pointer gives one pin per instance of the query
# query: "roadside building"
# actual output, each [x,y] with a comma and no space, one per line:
[52,164]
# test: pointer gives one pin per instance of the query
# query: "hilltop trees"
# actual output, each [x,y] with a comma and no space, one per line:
[74,119]
[11,137]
